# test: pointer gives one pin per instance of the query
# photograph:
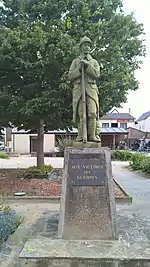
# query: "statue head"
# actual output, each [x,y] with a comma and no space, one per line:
[85,45]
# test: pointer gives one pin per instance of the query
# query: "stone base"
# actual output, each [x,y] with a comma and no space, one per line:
[87,209]
[45,252]
[81,145]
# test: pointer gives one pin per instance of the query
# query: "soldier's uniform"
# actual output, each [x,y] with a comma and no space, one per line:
[91,74]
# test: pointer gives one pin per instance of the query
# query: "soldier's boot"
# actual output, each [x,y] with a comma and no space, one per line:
[97,132]
[92,130]
[79,137]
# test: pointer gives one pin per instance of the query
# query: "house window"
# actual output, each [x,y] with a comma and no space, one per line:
[123,125]
[105,125]
[114,125]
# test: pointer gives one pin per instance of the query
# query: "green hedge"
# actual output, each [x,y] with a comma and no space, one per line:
[38,173]
[121,155]
[3,155]
[137,161]
[140,162]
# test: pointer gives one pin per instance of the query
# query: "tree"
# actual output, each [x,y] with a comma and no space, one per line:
[38,42]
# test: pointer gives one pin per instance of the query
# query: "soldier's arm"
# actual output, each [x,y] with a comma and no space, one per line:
[74,71]
[93,70]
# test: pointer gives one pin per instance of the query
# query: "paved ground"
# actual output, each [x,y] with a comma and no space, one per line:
[136,217]
[27,161]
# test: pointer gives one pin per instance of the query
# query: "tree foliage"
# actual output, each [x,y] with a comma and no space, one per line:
[39,39]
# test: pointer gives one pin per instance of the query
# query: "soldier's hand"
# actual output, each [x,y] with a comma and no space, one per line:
[84,63]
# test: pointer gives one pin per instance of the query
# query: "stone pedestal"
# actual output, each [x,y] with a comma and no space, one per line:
[81,145]
[87,203]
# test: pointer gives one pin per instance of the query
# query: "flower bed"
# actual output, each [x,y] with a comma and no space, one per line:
[41,187]
[8,224]
[9,220]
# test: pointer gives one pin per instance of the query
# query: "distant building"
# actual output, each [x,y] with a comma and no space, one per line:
[143,122]
[23,142]
[113,128]
[117,120]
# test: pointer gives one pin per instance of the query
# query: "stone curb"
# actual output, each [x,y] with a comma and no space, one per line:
[33,198]
[14,244]
[126,199]
[39,199]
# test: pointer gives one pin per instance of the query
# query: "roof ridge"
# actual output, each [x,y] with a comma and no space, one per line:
[144,116]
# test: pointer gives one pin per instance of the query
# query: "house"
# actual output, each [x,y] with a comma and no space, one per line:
[143,122]
[117,120]
[23,142]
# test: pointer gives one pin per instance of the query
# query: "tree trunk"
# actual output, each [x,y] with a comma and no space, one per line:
[40,141]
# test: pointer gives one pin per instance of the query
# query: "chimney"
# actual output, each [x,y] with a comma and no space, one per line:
[129,110]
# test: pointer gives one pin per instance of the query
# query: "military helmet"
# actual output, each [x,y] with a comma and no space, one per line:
[85,39]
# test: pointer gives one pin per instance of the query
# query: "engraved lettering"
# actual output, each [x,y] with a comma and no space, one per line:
[85,166]
[75,166]
[91,167]
[87,177]
[86,172]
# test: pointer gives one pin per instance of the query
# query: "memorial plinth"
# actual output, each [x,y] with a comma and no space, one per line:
[87,208]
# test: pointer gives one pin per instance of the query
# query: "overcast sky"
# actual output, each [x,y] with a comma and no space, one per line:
[139,101]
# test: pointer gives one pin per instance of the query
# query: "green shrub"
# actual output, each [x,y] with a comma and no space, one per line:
[4,155]
[146,165]
[140,162]
[121,155]
[137,161]
[35,172]
[64,142]
[9,219]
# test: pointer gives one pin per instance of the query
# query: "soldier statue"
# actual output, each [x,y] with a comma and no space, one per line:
[84,71]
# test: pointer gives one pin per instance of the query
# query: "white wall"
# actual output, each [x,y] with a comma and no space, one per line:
[144,125]
[49,142]
[21,143]
[129,124]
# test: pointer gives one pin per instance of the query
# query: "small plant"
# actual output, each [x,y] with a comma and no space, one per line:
[140,162]
[64,142]
[121,155]
[9,219]
[8,224]
[4,155]
[38,173]
[137,161]
[146,165]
